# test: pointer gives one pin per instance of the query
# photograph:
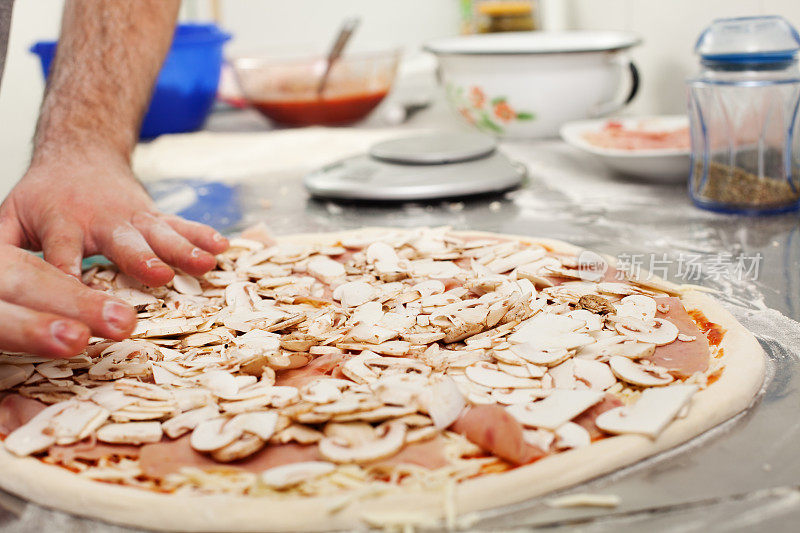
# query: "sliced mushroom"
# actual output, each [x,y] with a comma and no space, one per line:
[594,374]
[658,331]
[637,374]
[35,436]
[323,391]
[13,375]
[186,422]
[571,435]
[444,403]
[354,293]
[325,269]
[285,476]
[651,413]
[388,440]
[130,433]
[636,306]
[546,330]
[541,438]
[186,284]
[556,410]
[540,356]
[211,435]
[515,396]
[489,375]
[77,422]
[245,446]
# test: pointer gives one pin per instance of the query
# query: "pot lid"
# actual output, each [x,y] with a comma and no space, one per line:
[529,42]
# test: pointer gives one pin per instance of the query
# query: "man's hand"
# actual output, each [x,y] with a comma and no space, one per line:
[71,210]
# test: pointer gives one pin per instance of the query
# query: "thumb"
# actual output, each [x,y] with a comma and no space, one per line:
[11,231]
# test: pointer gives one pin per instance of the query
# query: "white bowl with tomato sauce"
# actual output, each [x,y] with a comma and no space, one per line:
[285,89]
[654,147]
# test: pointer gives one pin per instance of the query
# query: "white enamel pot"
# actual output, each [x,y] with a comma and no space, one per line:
[528,84]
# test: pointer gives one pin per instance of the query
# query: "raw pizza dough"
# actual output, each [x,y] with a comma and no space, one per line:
[58,488]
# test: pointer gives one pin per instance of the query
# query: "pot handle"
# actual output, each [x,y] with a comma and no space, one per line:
[612,107]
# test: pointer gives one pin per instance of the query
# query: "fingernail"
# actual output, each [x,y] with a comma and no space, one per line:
[65,333]
[153,262]
[218,237]
[117,315]
[196,252]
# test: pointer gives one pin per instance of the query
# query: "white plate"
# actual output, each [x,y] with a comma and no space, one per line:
[662,164]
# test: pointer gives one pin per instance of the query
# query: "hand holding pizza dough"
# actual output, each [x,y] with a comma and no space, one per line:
[79,196]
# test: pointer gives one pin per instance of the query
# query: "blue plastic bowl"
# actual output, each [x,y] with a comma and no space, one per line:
[187,85]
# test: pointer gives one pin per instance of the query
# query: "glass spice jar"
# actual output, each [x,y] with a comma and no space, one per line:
[743,110]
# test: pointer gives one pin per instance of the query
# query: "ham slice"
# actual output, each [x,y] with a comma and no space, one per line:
[427,454]
[321,366]
[278,455]
[497,432]
[681,358]
[91,451]
[170,456]
[16,410]
[586,419]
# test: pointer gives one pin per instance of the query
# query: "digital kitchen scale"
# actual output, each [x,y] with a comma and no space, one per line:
[422,167]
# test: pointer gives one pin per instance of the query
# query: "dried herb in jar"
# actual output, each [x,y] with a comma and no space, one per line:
[735,186]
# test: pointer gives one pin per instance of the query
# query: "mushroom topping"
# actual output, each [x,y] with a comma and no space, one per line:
[354,293]
[658,331]
[594,374]
[325,269]
[77,421]
[323,390]
[444,403]
[185,422]
[541,438]
[245,446]
[571,435]
[13,375]
[541,356]
[489,375]
[595,304]
[130,433]
[55,369]
[546,330]
[638,374]
[285,476]
[35,436]
[556,410]
[514,396]
[213,434]
[355,369]
[387,440]
[652,412]
[371,333]
[186,284]
[636,306]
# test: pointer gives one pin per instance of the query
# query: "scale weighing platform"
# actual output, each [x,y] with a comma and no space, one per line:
[422,167]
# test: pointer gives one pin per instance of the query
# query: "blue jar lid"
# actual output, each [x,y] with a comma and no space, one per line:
[755,40]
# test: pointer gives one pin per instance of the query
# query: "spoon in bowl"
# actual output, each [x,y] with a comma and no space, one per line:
[345,32]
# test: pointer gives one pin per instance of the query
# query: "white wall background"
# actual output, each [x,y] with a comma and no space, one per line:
[669,29]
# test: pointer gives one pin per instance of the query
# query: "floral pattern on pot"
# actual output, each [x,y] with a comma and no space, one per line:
[486,114]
